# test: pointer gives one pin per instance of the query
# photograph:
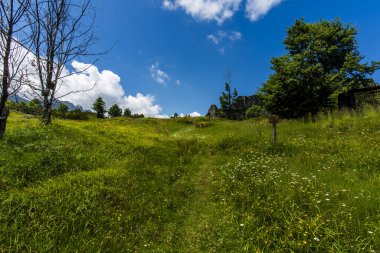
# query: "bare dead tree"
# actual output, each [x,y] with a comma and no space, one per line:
[12,53]
[61,31]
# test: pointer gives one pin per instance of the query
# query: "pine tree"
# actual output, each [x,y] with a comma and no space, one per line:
[227,101]
[100,108]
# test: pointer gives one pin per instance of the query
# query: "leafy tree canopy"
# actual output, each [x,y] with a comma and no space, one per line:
[115,111]
[322,61]
[127,112]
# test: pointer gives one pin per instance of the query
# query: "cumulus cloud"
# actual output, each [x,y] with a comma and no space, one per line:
[258,8]
[217,10]
[86,82]
[195,114]
[157,74]
[92,83]
[221,10]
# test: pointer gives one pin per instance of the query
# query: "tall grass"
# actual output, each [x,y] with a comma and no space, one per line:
[147,185]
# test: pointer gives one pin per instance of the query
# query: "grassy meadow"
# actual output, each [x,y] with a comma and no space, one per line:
[154,185]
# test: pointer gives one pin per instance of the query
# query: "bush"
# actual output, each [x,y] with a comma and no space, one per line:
[254,112]
[78,115]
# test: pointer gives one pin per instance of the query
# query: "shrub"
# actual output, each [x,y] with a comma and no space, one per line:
[254,111]
[78,115]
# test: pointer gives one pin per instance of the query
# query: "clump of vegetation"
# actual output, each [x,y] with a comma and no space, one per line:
[199,122]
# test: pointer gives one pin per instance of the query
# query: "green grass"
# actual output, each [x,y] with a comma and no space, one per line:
[149,185]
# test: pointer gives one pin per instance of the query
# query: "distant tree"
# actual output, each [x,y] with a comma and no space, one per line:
[100,108]
[127,112]
[322,61]
[175,115]
[227,100]
[115,111]
[77,115]
[34,107]
[138,116]
[62,110]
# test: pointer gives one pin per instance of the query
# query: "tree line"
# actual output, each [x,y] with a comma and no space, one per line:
[99,106]
[323,61]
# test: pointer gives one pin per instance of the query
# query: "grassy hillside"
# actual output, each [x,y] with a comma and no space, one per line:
[147,185]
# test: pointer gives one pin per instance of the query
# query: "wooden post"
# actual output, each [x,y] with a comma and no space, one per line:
[274,120]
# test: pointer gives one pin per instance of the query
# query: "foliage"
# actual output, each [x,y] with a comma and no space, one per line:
[227,99]
[61,111]
[137,116]
[11,104]
[144,185]
[254,111]
[78,115]
[115,111]
[323,60]
[32,107]
[127,112]
[100,108]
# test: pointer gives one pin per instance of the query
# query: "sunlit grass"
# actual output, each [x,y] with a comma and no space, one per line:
[147,185]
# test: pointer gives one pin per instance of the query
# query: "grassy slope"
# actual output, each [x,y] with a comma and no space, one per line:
[158,186]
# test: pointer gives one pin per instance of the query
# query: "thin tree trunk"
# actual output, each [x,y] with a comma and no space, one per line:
[4,113]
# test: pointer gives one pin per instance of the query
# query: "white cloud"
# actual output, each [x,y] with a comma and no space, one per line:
[86,83]
[108,86]
[223,39]
[178,82]
[167,4]
[223,36]
[157,74]
[221,10]
[258,8]
[218,10]
[195,114]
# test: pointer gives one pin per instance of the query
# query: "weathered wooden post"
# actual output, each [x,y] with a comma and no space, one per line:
[274,120]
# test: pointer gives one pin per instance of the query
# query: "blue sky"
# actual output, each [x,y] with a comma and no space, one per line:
[174,53]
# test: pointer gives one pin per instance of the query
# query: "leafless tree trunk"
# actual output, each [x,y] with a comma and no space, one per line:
[61,31]
[12,52]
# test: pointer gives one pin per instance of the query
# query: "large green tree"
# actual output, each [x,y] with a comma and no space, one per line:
[323,60]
